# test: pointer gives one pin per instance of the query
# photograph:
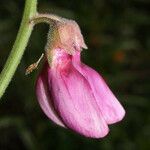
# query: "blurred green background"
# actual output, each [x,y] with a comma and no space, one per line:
[118,37]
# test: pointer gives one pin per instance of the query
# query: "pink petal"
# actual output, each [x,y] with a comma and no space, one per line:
[44,98]
[75,102]
[110,107]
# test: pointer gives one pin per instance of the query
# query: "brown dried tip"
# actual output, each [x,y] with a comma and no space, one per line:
[33,66]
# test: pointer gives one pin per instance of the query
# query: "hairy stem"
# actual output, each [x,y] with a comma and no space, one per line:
[19,46]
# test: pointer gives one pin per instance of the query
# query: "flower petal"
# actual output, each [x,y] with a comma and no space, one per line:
[110,107]
[75,103]
[44,98]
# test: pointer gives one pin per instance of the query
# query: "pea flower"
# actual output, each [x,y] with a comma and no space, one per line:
[69,92]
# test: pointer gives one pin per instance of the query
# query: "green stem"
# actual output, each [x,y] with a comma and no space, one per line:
[19,45]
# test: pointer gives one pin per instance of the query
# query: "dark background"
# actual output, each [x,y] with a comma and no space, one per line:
[117,34]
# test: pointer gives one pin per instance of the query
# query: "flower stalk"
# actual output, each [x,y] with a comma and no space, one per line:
[19,46]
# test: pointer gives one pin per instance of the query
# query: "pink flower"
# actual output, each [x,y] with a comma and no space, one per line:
[72,94]
[110,107]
